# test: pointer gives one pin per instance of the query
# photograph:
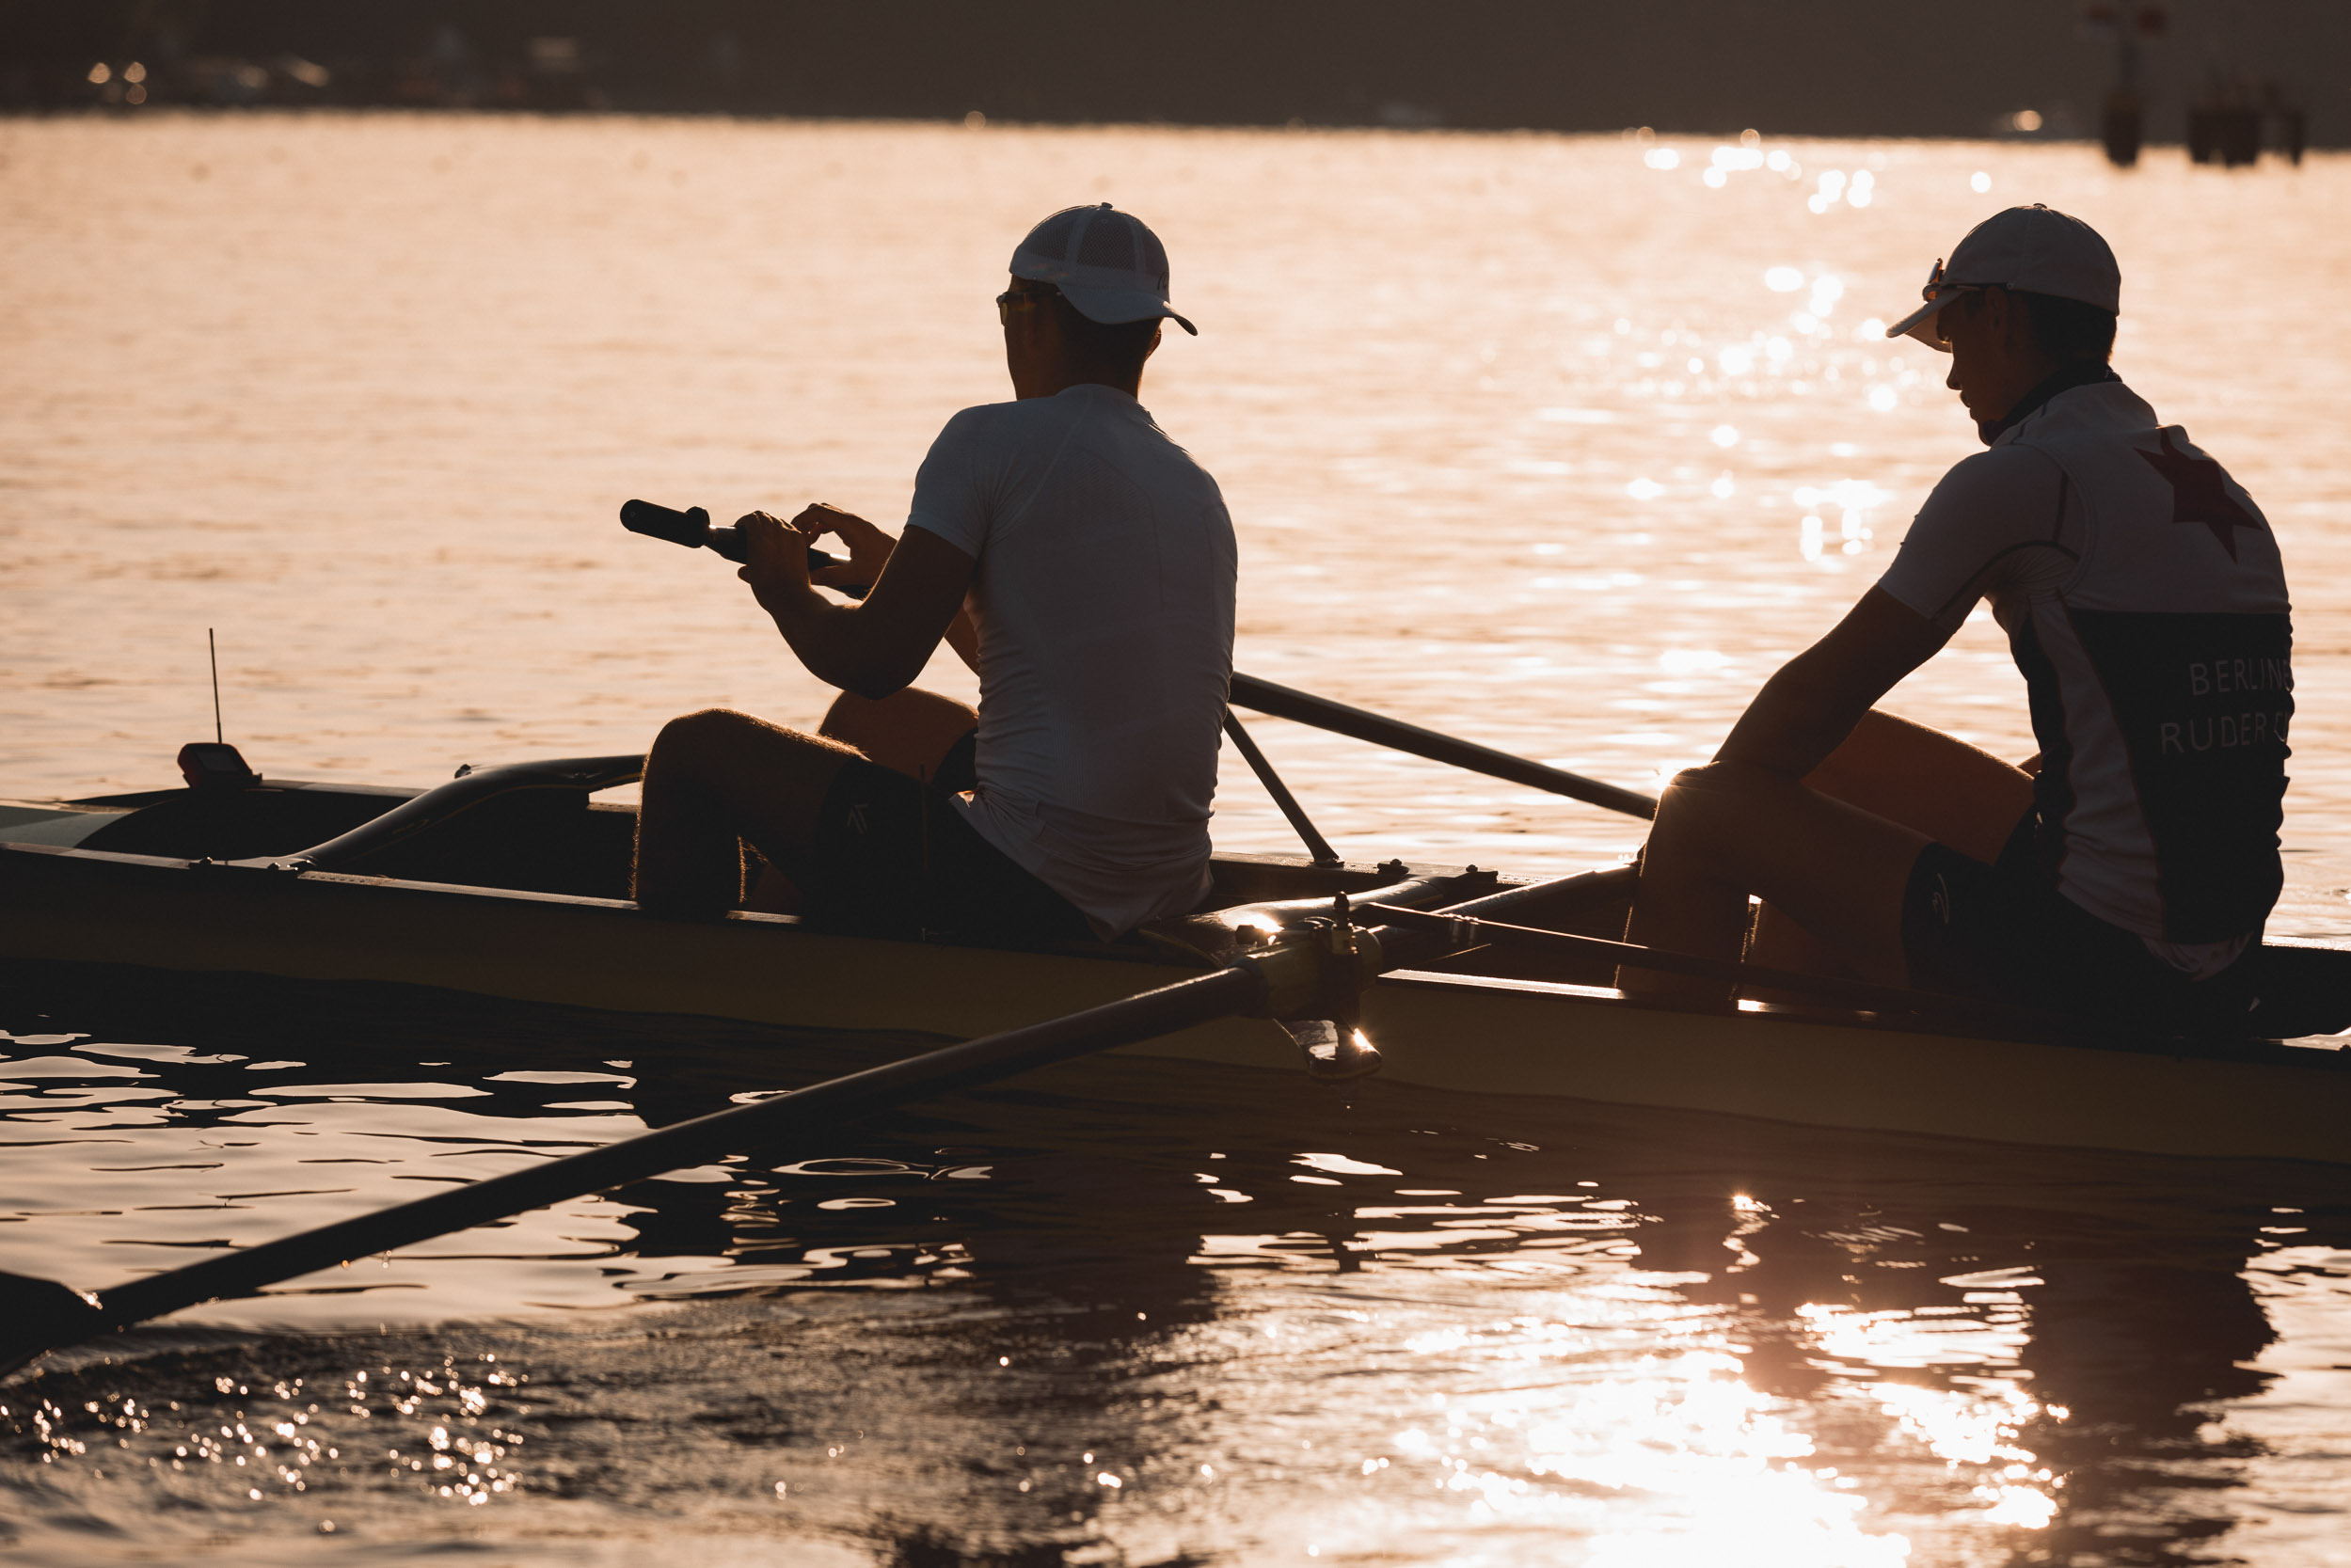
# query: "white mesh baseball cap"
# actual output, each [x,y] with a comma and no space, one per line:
[2034,251]
[1105,262]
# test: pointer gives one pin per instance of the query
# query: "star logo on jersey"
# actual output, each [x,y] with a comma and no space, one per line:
[2199,494]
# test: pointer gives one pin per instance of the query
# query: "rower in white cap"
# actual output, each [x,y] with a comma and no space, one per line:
[2131,864]
[1077,559]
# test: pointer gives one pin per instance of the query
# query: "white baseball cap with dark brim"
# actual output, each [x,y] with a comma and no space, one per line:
[2033,250]
[1105,262]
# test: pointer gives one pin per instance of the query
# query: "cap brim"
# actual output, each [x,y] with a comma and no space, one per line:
[1919,324]
[1116,307]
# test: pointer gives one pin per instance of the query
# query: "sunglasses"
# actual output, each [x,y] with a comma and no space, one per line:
[1938,288]
[1937,284]
[1019,299]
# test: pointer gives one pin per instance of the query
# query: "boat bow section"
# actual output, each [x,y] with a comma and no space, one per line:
[581,776]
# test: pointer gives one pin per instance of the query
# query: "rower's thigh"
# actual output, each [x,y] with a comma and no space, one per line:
[1837,870]
[1954,793]
[767,781]
[909,731]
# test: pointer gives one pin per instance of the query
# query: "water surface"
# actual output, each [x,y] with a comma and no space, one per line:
[1526,438]
[1130,1312]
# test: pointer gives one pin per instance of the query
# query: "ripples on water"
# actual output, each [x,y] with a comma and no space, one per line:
[1557,442]
[1129,1312]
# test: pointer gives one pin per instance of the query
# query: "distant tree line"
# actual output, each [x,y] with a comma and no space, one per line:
[1828,66]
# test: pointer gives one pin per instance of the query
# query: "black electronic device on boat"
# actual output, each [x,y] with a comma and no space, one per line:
[215,765]
[693,528]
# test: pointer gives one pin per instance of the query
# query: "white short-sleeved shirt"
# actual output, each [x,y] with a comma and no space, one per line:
[2145,603]
[1998,527]
[1104,598]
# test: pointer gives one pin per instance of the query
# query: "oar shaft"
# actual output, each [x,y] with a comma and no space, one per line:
[1304,707]
[1460,930]
[820,1107]
[1317,845]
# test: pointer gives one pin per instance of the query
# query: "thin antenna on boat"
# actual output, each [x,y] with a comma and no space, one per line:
[214,649]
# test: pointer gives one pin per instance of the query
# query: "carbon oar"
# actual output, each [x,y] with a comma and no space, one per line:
[695,529]
[1304,707]
[1466,931]
[1292,978]
[1317,845]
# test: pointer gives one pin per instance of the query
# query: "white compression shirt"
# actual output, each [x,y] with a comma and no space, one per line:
[2145,602]
[1104,599]
[1996,527]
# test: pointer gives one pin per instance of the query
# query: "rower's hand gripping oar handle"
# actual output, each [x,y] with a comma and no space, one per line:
[693,528]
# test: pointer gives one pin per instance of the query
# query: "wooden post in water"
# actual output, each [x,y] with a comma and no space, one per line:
[2123,126]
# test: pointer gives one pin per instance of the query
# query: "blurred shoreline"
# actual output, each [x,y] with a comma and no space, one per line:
[2076,139]
[2021,71]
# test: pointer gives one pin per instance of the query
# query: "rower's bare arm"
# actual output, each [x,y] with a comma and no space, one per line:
[1807,710]
[869,550]
[873,648]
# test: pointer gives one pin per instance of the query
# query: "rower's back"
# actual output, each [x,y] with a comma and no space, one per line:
[1104,598]
[2160,674]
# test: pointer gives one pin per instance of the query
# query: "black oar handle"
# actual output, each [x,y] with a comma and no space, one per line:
[693,528]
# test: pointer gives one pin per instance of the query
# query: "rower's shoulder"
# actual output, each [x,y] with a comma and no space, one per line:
[990,416]
[2100,412]
[1018,418]
[1996,476]
[987,435]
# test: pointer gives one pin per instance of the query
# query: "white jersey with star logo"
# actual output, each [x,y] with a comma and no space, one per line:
[2146,606]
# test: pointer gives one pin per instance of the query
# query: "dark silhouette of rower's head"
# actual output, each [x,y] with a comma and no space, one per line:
[1088,292]
[2028,292]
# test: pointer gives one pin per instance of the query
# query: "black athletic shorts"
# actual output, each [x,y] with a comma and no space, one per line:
[2005,932]
[894,857]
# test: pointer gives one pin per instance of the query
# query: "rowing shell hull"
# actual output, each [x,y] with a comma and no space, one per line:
[1454,1031]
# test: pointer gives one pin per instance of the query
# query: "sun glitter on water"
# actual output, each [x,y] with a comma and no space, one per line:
[1623,1420]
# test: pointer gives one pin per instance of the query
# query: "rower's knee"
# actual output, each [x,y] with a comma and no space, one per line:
[842,720]
[1688,779]
[1693,790]
[860,721]
[691,737]
[910,731]
[1703,811]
